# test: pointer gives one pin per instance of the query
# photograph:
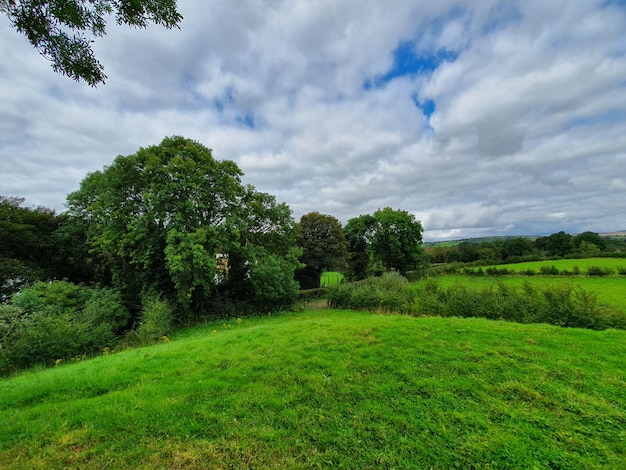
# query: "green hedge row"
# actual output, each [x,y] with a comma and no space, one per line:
[562,305]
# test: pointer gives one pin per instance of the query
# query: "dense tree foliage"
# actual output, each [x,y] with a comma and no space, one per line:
[516,249]
[53,321]
[171,219]
[387,240]
[557,244]
[62,30]
[324,248]
[589,238]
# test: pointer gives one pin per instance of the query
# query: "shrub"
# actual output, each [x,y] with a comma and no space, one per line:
[549,271]
[621,270]
[52,298]
[561,305]
[599,271]
[494,271]
[105,307]
[388,293]
[156,319]
[57,320]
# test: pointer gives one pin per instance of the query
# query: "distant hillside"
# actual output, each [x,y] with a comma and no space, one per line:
[619,233]
[477,240]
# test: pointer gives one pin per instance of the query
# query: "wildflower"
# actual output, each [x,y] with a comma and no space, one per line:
[57,362]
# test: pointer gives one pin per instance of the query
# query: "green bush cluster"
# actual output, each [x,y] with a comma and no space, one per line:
[543,271]
[156,320]
[53,321]
[387,293]
[562,305]
[599,271]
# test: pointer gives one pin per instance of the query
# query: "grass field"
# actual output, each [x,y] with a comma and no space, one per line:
[568,264]
[330,389]
[331,278]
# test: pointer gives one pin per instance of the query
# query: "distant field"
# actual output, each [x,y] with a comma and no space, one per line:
[610,291]
[569,264]
[331,278]
[330,389]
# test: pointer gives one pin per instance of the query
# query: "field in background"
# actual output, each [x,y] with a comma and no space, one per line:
[568,264]
[331,278]
[330,389]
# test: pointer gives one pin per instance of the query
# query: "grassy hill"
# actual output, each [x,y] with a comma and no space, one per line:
[330,389]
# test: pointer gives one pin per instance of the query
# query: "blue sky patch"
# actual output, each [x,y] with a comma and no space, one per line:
[408,62]
[246,120]
[427,106]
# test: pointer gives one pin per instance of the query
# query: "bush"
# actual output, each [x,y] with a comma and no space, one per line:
[53,321]
[105,307]
[52,298]
[549,271]
[156,320]
[598,271]
[387,293]
[562,305]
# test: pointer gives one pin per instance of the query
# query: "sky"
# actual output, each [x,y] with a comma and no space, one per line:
[481,118]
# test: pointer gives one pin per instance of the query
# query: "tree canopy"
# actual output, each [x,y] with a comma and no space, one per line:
[324,247]
[387,240]
[174,220]
[62,30]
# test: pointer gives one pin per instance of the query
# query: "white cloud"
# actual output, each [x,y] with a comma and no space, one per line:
[528,122]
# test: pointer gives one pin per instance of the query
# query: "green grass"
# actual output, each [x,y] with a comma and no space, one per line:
[331,278]
[569,264]
[330,389]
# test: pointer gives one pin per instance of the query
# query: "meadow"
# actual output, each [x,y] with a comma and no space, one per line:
[330,389]
[583,265]
[331,278]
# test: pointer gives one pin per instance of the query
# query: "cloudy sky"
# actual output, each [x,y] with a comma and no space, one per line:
[480,117]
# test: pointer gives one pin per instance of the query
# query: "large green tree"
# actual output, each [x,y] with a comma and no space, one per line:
[63,30]
[26,244]
[174,220]
[557,244]
[324,247]
[387,240]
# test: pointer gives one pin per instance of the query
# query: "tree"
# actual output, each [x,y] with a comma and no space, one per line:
[391,239]
[62,30]
[518,246]
[397,240]
[26,244]
[173,220]
[359,232]
[591,238]
[324,247]
[557,244]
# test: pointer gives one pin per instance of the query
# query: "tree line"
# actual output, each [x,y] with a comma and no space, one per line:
[170,235]
[517,249]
